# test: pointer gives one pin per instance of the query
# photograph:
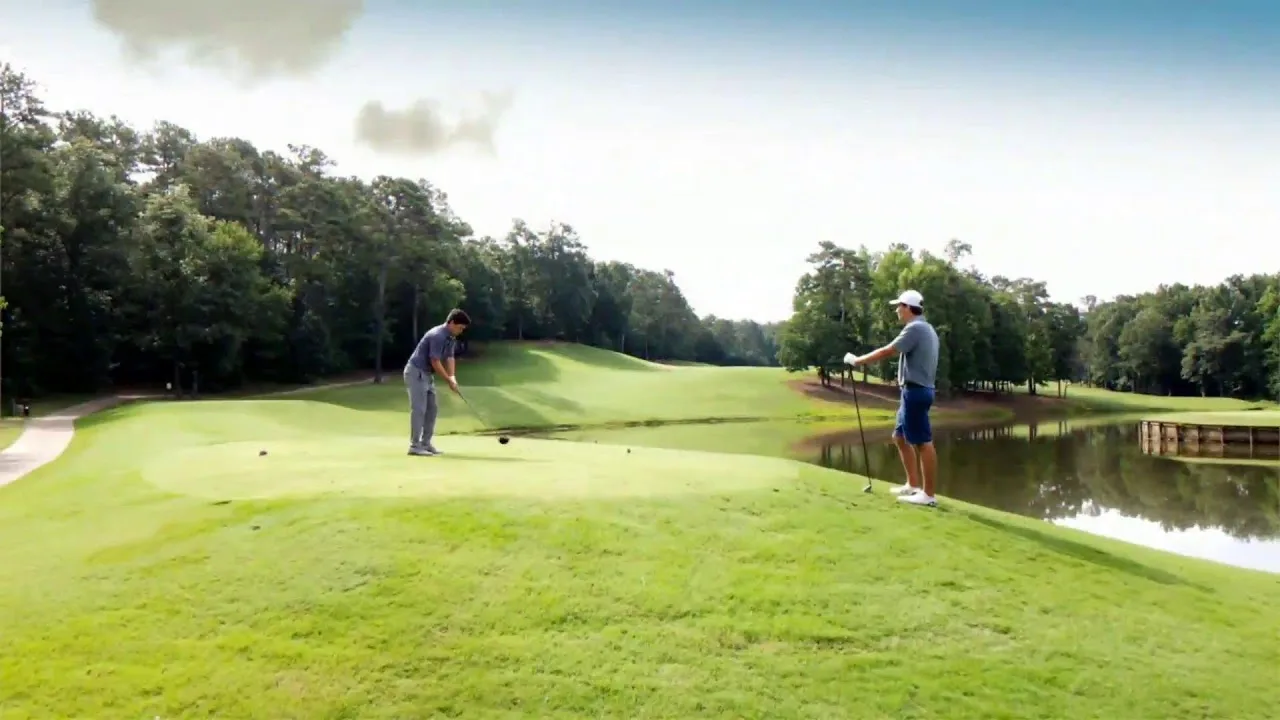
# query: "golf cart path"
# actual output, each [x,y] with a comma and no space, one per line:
[43,439]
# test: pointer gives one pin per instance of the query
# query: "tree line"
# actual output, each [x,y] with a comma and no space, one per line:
[998,333]
[136,256]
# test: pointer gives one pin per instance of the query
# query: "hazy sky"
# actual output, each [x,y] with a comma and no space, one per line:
[1104,148]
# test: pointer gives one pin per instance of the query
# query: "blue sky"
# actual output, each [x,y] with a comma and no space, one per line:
[1104,147]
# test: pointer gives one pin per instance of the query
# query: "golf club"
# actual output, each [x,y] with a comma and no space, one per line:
[503,439]
[866,462]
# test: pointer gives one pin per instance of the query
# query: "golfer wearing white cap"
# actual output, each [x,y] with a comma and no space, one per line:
[917,350]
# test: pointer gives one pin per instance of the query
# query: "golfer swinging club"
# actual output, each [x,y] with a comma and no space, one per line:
[433,356]
[917,349]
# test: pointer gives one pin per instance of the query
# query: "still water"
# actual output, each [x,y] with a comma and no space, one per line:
[1098,480]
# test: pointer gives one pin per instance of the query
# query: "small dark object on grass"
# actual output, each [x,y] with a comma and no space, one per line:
[628,451]
[261,453]
[504,439]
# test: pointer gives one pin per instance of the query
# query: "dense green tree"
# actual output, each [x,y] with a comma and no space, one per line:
[149,255]
[998,332]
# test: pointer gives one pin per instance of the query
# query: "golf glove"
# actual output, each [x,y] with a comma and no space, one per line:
[850,359]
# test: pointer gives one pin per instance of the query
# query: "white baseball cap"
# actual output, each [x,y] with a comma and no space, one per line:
[910,298]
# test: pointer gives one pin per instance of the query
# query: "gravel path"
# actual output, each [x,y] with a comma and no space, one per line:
[43,439]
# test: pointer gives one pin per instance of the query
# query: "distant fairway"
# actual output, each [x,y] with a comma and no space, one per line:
[527,385]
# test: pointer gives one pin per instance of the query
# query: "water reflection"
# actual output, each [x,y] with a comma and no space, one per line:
[1098,479]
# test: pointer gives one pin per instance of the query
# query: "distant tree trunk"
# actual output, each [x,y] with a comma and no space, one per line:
[1031,386]
[417,299]
[380,320]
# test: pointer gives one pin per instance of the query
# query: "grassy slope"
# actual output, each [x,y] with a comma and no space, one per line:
[1250,418]
[540,385]
[1091,399]
[139,577]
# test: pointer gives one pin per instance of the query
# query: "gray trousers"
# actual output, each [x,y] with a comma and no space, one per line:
[422,405]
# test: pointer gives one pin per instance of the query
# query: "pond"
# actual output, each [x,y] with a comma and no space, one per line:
[1095,478]
[1086,473]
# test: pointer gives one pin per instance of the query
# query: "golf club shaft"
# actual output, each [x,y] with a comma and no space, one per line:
[472,409]
[866,461]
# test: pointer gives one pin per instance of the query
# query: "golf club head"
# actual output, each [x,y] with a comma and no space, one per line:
[867,488]
[504,440]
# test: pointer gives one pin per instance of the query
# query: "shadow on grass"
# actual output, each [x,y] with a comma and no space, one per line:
[449,457]
[1080,551]
[504,364]
[555,402]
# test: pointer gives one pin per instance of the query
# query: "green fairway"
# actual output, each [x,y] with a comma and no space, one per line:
[472,467]
[1090,399]
[1250,418]
[164,567]
[531,385]
[1196,460]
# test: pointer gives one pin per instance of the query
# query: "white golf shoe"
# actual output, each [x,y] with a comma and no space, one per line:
[905,490]
[918,498]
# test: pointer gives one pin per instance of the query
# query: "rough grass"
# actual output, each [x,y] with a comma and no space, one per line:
[164,569]
[10,429]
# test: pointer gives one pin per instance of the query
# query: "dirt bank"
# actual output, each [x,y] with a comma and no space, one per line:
[967,409]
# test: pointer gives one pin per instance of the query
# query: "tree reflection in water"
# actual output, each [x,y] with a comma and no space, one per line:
[1054,471]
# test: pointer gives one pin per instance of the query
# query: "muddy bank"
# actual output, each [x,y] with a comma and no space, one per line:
[966,410]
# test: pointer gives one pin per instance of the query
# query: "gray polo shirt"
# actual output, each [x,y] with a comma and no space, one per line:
[437,343]
[917,347]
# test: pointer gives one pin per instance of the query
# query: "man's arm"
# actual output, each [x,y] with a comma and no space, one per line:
[435,365]
[436,345]
[904,343]
[877,355]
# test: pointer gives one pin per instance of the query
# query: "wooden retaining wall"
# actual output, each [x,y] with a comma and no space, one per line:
[1159,438]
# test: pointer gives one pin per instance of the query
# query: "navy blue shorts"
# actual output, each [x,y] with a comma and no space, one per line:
[913,415]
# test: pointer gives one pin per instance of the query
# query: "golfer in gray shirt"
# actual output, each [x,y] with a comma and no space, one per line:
[917,350]
[433,356]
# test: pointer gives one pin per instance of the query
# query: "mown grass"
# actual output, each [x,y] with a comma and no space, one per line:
[164,568]
[1233,461]
[1248,418]
[538,385]
[1090,399]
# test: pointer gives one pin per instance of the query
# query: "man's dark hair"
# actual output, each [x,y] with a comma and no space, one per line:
[458,316]
[914,310]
